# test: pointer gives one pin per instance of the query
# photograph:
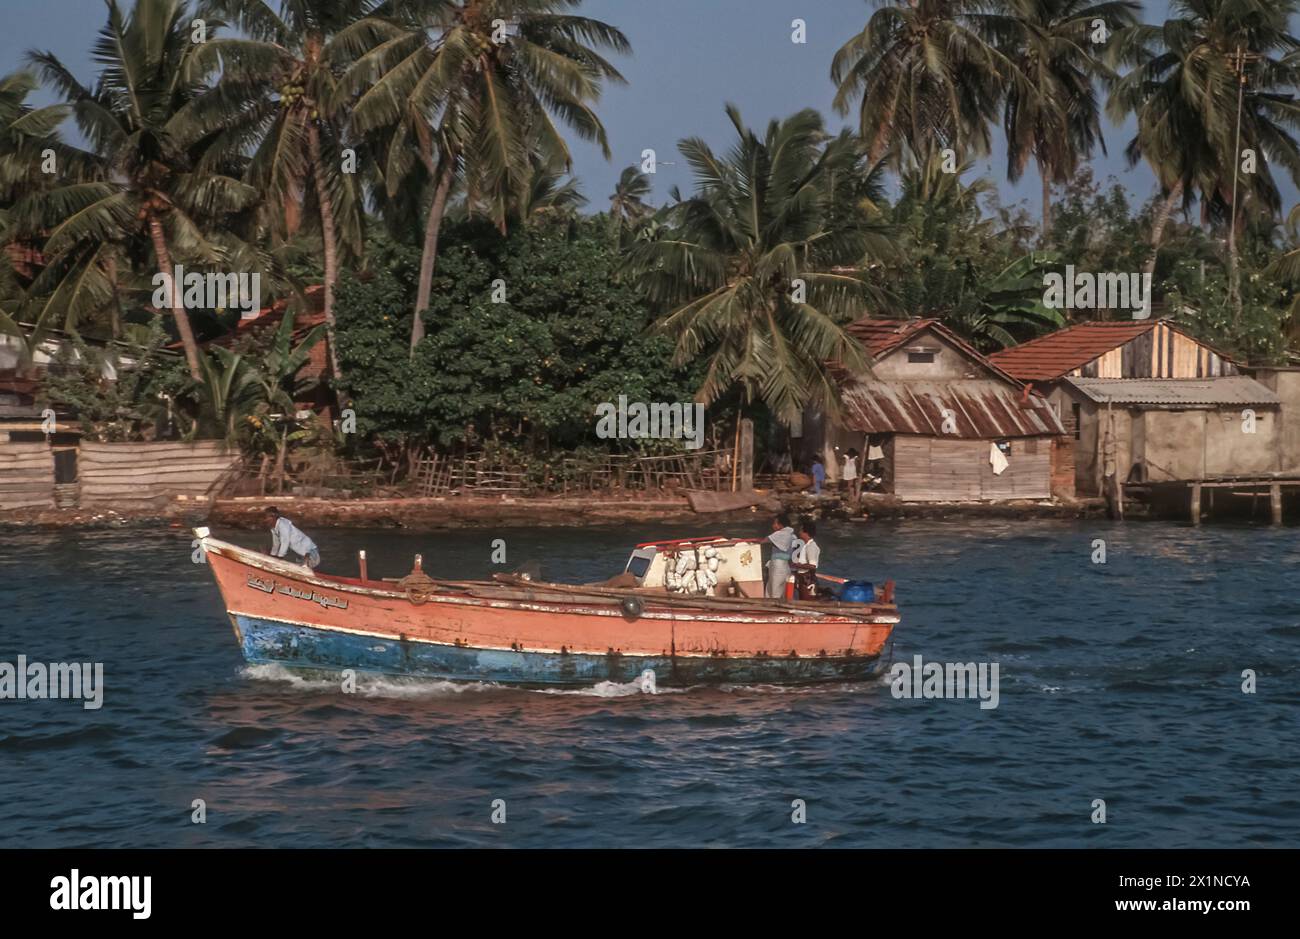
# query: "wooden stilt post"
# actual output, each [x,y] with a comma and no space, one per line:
[1196,503]
[361,562]
[1275,502]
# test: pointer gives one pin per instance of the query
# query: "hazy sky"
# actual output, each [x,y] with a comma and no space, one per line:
[689,58]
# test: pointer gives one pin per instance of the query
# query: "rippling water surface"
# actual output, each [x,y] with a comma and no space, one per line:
[1119,682]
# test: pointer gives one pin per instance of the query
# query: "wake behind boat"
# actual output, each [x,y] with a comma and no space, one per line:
[689,610]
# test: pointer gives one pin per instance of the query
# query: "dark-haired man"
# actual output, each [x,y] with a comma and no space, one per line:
[807,555]
[286,537]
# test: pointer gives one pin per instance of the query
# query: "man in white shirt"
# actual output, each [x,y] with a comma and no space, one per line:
[286,537]
[807,555]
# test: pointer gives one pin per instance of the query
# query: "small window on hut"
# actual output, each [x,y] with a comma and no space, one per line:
[920,358]
[1076,412]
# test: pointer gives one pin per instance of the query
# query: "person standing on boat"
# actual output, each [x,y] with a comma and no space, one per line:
[286,537]
[807,555]
[778,567]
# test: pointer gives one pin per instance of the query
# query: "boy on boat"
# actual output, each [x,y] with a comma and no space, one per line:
[778,567]
[286,537]
[807,555]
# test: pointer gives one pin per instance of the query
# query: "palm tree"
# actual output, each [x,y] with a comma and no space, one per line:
[470,83]
[924,74]
[279,81]
[1184,89]
[1050,112]
[27,134]
[627,204]
[753,276]
[963,264]
[546,192]
[149,179]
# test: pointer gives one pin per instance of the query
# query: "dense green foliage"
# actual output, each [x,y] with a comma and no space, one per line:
[568,334]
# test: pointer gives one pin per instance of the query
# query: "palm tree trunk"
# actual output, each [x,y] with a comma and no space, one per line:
[883,138]
[330,238]
[115,305]
[1046,172]
[432,228]
[1159,222]
[177,297]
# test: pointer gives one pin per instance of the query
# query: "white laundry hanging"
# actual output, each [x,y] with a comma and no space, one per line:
[997,459]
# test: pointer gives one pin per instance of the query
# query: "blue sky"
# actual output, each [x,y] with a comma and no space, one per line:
[689,58]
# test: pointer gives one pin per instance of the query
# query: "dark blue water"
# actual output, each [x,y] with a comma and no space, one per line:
[1119,682]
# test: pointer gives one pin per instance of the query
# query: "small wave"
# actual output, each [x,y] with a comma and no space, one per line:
[614,689]
[367,685]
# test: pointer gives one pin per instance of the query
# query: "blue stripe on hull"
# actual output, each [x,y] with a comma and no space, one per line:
[267,641]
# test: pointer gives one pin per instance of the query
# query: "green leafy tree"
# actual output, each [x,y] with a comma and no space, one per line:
[529,370]
[971,268]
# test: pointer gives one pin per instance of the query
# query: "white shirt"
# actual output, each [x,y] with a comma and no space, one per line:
[850,467]
[285,536]
[808,552]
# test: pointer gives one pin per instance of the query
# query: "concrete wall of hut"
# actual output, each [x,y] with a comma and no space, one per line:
[1208,442]
[1187,444]
[1090,437]
[949,362]
[1285,383]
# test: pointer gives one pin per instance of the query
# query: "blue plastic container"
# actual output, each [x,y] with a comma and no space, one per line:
[857,591]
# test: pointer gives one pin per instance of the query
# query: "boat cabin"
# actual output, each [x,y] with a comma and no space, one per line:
[711,566]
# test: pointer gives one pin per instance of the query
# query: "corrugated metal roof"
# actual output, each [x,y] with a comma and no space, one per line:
[1232,390]
[1049,357]
[980,408]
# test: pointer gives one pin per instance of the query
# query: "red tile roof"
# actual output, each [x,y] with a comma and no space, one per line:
[1049,357]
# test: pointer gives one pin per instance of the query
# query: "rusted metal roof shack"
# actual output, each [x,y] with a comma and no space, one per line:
[937,422]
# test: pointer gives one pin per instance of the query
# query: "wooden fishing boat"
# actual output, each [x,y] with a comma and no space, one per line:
[516,630]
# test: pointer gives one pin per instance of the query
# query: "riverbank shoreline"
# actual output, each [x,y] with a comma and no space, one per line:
[455,512]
